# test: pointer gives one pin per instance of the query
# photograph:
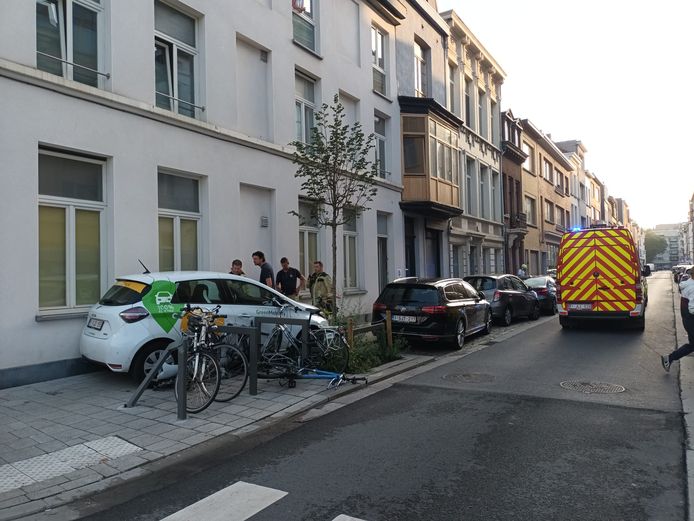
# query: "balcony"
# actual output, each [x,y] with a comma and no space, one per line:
[518,221]
[559,189]
[561,228]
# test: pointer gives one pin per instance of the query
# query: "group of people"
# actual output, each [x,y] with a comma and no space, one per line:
[290,282]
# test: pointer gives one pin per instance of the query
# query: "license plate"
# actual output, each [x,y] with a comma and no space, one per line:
[580,306]
[404,318]
[95,323]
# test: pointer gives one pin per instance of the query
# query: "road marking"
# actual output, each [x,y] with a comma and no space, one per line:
[343,517]
[237,502]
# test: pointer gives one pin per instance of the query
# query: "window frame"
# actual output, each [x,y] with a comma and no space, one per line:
[177,216]
[530,210]
[310,19]
[71,205]
[304,103]
[305,230]
[420,71]
[376,31]
[64,10]
[172,46]
[381,139]
[347,237]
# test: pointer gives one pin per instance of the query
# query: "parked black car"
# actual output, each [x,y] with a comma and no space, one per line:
[546,289]
[508,295]
[433,309]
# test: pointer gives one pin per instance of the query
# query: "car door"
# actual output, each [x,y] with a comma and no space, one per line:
[526,297]
[477,306]
[455,301]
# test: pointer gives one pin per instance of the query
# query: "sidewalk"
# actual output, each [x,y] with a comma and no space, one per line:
[65,439]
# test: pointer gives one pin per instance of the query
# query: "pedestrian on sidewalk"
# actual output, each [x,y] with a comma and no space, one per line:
[237,268]
[687,313]
[523,271]
[267,275]
[288,279]
[321,285]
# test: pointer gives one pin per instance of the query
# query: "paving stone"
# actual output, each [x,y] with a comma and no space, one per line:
[22,443]
[9,494]
[46,492]
[18,500]
[18,455]
[42,467]
[46,483]
[178,434]
[77,483]
[196,438]
[208,427]
[78,456]
[25,509]
[127,462]
[51,446]
[162,445]
[104,470]
[176,447]
[113,447]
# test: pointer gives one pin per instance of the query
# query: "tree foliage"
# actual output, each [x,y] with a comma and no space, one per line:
[655,244]
[338,176]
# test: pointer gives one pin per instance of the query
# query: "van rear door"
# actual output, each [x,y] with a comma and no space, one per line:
[615,270]
[575,271]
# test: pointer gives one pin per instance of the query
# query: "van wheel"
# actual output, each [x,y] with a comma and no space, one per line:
[640,323]
[146,359]
[565,323]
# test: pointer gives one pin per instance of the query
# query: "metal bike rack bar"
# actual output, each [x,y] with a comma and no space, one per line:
[254,336]
[303,322]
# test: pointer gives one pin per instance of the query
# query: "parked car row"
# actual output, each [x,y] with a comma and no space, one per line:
[451,309]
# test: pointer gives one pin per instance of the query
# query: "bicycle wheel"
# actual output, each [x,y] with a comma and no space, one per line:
[234,372]
[329,350]
[202,382]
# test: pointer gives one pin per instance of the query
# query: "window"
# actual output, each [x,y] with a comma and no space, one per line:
[71,230]
[246,293]
[529,163]
[469,85]
[420,71]
[530,210]
[482,113]
[378,60]
[67,39]
[549,212]
[175,57]
[380,145]
[304,22]
[179,219]
[496,198]
[413,143]
[305,104]
[470,192]
[443,152]
[559,179]
[382,247]
[350,239]
[308,239]
[547,171]
[451,88]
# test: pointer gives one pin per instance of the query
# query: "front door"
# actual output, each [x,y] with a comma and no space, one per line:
[433,253]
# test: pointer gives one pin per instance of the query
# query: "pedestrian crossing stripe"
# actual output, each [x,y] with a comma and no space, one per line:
[237,502]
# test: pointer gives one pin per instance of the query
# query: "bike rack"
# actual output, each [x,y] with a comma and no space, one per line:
[252,332]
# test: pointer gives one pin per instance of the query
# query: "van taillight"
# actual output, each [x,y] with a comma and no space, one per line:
[434,310]
[496,297]
[133,314]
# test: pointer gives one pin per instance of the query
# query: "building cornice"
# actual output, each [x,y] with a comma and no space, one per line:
[387,10]
[547,143]
[431,17]
[414,105]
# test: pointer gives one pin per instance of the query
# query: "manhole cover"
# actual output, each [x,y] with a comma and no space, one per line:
[593,387]
[474,378]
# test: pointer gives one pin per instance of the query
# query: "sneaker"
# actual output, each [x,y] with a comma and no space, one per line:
[665,360]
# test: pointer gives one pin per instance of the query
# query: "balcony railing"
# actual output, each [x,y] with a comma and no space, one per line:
[519,221]
[559,189]
[561,228]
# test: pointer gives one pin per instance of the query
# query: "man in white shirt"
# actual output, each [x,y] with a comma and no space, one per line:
[687,313]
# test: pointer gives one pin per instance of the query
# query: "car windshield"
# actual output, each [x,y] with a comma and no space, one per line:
[404,295]
[124,293]
[536,282]
[481,283]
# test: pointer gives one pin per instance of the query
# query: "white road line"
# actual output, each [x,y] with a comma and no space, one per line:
[343,517]
[237,502]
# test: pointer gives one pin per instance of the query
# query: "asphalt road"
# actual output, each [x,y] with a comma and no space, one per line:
[490,436]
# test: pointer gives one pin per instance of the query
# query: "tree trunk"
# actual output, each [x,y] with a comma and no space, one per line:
[334,288]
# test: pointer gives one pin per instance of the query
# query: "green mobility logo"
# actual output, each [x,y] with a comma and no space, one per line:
[158,302]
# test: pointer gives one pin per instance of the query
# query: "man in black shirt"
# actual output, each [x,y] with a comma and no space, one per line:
[266,272]
[287,279]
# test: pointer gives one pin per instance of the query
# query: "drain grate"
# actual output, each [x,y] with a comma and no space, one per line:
[475,378]
[593,387]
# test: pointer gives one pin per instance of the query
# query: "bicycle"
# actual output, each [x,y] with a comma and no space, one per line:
[281,354]
[215,370]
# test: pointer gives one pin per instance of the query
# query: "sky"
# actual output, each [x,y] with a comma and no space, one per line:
[614,74]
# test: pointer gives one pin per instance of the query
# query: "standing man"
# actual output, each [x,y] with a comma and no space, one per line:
[287,279]
[237,268]
[523,271]
[320,285]
[266,271]
[687,314]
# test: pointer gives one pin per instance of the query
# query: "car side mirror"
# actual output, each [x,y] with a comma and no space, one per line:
[481,295]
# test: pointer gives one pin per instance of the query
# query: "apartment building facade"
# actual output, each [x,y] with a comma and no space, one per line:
[166,141]
[546,196]
[515,219]
[575,151]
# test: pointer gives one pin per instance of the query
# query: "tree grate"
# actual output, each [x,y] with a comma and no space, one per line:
[593,387]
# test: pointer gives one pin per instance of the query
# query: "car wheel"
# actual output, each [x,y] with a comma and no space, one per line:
[146,360]
[535,313]
[488,323]
[507,317]
[459,340]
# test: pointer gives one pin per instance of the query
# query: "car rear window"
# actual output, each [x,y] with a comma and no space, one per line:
[481,283]
[536,281]
[409,295]
[124,293]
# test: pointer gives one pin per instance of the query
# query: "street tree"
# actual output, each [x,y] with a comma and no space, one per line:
[655,244]
[338,175]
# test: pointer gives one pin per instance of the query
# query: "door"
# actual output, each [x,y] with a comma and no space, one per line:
[410,248]
[615,273]
[576,273]
[433,253]
[524,296]
[382,263]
